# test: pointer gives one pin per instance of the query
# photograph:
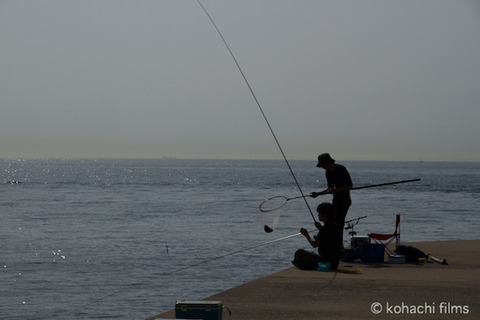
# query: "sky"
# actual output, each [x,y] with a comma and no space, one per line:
[362,80]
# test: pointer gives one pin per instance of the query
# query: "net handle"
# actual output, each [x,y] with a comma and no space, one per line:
[385,184]
[263,208]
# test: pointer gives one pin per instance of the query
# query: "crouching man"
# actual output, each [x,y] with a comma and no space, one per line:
[328,241]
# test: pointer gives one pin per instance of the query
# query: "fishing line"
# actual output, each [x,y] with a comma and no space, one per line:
[261,110]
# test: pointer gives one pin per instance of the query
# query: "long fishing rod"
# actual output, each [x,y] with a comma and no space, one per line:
[267,229]
[259,107]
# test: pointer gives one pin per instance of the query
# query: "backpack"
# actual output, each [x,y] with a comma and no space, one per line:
[411,254]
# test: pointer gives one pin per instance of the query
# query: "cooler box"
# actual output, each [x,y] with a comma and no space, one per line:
[205,310]
[373,252]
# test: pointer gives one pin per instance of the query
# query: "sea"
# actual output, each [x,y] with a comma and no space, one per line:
[127,238]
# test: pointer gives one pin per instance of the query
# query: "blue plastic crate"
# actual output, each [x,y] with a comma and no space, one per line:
[373,252]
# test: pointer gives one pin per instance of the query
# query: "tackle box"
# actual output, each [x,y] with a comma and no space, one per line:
[205,310]
[357,245]
[397,258]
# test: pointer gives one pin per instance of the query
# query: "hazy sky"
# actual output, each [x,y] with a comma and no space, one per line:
[363,80]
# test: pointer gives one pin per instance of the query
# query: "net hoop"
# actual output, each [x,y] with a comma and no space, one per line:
[273,203]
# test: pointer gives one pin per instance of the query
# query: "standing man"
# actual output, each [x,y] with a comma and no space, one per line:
[339,184]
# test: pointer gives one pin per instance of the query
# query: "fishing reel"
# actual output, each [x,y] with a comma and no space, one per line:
[350,224]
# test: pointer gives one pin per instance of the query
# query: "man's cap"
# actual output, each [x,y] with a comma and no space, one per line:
[324,159]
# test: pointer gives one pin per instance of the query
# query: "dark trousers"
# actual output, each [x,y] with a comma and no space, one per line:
[308,260]
[341,207]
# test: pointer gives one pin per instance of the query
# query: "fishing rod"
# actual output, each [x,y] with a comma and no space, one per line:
[355,219]
[442,261]
[259,107]
[277,202]
[267,229]
[235,252]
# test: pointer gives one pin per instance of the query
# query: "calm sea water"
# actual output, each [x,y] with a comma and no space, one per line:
[124,239]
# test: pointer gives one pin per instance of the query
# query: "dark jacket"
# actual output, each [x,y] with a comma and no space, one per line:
[330,238]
